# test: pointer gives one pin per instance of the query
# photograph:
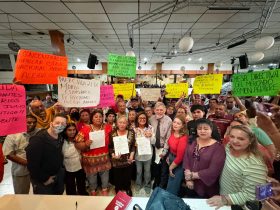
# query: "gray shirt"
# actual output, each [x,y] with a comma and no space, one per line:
[16,144]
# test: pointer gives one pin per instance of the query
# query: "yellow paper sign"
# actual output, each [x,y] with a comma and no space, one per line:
[176,90]
[127,90]
[208,84]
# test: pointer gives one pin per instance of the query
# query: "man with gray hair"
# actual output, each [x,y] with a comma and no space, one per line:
[162,125]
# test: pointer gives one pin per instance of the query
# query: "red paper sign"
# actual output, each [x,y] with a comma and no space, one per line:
[39,68]
[106,96]
[12,109]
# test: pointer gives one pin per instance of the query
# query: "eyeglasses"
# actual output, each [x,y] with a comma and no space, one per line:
[142,118]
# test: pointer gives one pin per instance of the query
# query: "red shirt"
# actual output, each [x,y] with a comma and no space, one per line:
[177,147]
[221,122]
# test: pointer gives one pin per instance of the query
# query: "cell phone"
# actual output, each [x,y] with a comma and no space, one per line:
[264,191]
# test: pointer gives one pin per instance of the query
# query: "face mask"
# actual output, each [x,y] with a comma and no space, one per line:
[58,129]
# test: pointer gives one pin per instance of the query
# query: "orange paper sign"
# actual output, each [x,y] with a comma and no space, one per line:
[39,68]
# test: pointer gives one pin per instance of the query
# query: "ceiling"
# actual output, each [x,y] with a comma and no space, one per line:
[110,22]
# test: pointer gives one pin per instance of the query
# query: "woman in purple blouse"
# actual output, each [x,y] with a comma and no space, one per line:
[203,163]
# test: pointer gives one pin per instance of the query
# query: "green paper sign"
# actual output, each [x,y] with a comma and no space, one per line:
[263,83]
[122,66]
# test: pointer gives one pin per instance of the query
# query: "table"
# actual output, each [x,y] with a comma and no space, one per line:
[67,202]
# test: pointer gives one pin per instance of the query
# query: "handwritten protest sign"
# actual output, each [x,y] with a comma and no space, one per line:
[263,83]
[150,94]
[208,84]
[12,109]
[106,96]
[176,90]
[39,68]
[127,90]
[74,92]
[122,66]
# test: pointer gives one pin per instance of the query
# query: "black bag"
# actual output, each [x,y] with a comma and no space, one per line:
[163,200]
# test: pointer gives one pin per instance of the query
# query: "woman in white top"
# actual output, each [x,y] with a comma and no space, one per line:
[143,129]
[74,176]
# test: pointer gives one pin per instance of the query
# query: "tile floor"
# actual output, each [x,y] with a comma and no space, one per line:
[6,186]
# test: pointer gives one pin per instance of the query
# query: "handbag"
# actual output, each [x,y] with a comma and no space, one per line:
[163,200]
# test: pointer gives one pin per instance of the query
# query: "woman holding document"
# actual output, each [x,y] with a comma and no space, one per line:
[145,136]
[93,141]
[122,150]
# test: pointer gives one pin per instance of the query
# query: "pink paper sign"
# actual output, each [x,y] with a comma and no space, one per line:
[12,109]
[106,96]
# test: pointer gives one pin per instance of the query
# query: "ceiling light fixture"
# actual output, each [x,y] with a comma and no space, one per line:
[78,59]
[189,59]
[237,43]
[227,8]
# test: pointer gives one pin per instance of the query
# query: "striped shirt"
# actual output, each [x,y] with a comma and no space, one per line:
[240,177]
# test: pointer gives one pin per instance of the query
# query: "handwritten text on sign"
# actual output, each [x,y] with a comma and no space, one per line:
[150,94]
[263,83]
[122,66]
[127,90]
[208,84]
[106,96]
[12,109]
[176,90]
[39,68]
[74,92]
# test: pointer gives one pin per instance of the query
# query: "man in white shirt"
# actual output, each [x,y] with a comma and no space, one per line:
[14,149]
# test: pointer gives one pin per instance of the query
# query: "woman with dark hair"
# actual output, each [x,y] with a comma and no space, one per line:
[203,162]
[84,119]
[244,169]
[143,129]
[74,174]
[93,141]
[131,118]
[74,114]
[110,117]
[177,145]
[122,168]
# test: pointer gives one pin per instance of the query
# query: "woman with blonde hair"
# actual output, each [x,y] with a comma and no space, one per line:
[244,167]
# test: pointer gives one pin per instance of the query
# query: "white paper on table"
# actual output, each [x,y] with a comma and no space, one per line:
[98,139]
[121,145]
[143,146]
[158,152]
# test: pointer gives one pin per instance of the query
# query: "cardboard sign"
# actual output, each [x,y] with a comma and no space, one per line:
[176,90]
[127,90]
[74,92]
[39,68]
[208,84]
[263,83]
[122,66]
[106,96]
[12,109]
[150,94]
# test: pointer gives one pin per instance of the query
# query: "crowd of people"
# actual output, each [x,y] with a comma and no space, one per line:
[214,147]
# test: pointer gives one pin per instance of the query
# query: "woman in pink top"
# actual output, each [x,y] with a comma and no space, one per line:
[177,145]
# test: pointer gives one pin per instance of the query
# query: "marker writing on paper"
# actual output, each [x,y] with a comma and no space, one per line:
[76,205]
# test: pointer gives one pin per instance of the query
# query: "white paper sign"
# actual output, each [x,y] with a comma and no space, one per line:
[98,139]
[74,92]
[143,146]
[157,157]
[121,145]
[150,94]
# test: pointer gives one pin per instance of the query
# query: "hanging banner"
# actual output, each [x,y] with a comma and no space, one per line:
[106,96]
[39,68]
[150,94]
[262,83]
[208,84]
[122,66]
[12,109]
[74,92]
[127,90]
[176,90]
